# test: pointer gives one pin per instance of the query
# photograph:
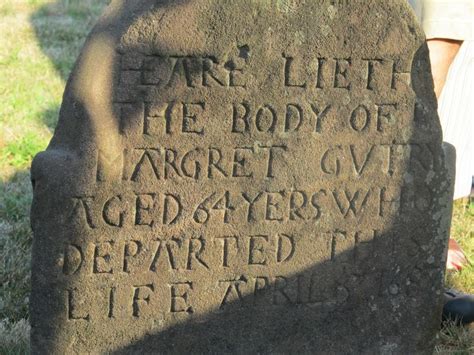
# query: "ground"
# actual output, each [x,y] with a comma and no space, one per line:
[39,42]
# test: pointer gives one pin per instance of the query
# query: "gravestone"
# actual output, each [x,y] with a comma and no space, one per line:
[240,177]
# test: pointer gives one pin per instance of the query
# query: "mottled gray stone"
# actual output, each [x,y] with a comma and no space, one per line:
[240,177]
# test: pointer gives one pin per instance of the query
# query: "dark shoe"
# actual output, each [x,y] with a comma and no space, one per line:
[458,307]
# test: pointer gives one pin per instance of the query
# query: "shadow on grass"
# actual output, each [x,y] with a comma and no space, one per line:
[50,117]
[455,339]
[15,246]
[60,29]
[14,337]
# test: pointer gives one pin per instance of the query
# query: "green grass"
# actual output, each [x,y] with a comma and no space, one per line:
[463,231]
[20,152]
[14,337]
[39,43]
[455,340]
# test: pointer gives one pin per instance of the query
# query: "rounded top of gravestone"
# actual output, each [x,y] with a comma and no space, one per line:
[242,176]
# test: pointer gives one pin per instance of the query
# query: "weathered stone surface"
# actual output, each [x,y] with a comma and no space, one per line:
[243,176]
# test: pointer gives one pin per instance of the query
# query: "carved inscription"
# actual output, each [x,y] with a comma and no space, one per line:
[243,291]
[177,254]
[342,73]
[253,184]
[262,161]
[152,210]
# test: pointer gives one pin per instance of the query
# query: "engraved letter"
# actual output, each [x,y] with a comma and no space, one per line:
[251,202]
[244,117]
[320,116]
[179,297]
[360,118]
[296,207]
[73,259]
[266,116]
[111,214]
[385,112]
[351,202]
[196,170]
[236,75]
[238,169]
[111,302]
[145,203]
[370,72]
[194,252]
[138,297]
[169,248]
[190,116]
[271,158]
[285,253]
[130,249]
[315,203]
[102,258]
[340,75]
[215,157]
[72,313]
[330,163]
[293,111]
[158,113]
[232,291]
[180,66]
[262,284]
[279,290]
[359,167]
[257,250]
[287,74]
[389,200]
[320,80]
[272,206]
[108,165]
[172,209]
[225,248]
[146,156]
[170,163]
[85,203]
[208,65]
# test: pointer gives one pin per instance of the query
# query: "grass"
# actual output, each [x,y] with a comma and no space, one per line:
[19,152]
[452,339]
[455,340]
[39,42]
[463,230]
[14,337]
